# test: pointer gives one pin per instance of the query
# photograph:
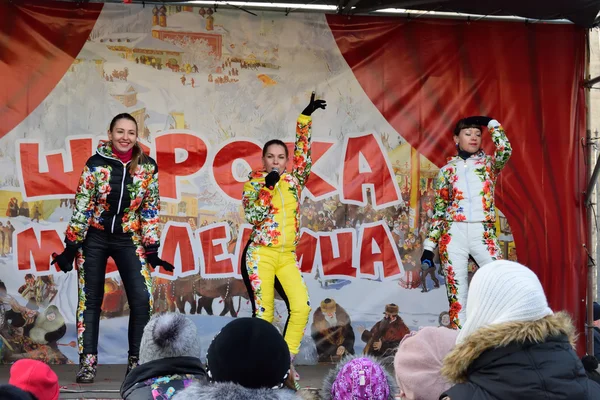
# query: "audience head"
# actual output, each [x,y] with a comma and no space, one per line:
[358,378]
[11,392]
[169,335]
[419,360]
[35,377]
[250,352]
[503,291]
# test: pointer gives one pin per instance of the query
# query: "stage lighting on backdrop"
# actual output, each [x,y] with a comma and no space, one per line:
[316,7]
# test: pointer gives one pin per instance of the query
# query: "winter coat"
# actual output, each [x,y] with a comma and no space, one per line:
[275,213]
[333,374]
[110,199]
[465,188]
[232,391]
[162,377]
[519,361]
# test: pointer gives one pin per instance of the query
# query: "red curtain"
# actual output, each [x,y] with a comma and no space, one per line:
[423,75]
[38,43]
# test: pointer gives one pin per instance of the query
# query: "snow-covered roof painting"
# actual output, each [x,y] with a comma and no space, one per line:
[138,41]
[118,88]
[188,22]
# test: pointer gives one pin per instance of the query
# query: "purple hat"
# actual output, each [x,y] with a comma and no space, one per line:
[359,378]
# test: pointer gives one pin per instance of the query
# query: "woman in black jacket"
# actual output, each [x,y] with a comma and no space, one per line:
[513,346]
[116,215]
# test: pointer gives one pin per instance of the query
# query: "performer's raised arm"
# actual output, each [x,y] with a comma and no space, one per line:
[302,161]
[271,201]
[503,147]
[463,223]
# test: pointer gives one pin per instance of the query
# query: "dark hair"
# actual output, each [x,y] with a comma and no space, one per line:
[278,143]
[138,156]
[462,124]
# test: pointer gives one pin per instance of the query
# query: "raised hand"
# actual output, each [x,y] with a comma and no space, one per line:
[313,105]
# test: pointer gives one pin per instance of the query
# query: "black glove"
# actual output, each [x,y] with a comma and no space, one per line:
[313,105]
[478,120]
[66,258]
[427,257]
[155,261]
[271,179]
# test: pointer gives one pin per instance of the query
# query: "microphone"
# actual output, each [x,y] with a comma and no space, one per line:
[274,170]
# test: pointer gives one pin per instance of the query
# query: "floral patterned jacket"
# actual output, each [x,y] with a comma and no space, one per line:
[110,199]
[465,188]
[275,213]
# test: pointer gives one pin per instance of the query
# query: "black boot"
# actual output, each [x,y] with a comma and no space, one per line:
[88,363]
[132,362]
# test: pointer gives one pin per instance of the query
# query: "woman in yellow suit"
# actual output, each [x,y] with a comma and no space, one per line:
[271,201]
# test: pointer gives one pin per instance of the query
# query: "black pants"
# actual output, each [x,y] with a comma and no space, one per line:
[98,246]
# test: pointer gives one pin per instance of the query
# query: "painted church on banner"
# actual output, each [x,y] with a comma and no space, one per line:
[207,90]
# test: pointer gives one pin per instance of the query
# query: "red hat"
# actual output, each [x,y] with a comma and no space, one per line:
[36,378]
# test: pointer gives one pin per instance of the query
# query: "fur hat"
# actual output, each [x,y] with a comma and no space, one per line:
[328,305]
[250,352]
[169,335]
[35,377]
[232,391]
[11,392]
[391,309]
[419,360]
[503,291]
[358,377]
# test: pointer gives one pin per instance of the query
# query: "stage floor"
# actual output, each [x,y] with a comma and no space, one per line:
[109,379]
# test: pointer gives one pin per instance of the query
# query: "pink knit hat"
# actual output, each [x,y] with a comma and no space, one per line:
[418,362]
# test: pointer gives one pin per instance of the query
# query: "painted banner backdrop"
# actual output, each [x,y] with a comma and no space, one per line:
[209,88]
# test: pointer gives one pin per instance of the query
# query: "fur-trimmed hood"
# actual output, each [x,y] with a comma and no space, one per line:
[333,373]
[457,362]
[232,391]
[519,360]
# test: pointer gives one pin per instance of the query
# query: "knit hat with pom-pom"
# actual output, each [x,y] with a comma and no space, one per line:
[169,335]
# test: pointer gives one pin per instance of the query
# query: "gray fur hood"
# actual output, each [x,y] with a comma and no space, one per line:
[332,375]
[232,391]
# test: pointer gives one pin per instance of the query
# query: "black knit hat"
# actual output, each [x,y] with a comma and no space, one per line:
[250,352]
